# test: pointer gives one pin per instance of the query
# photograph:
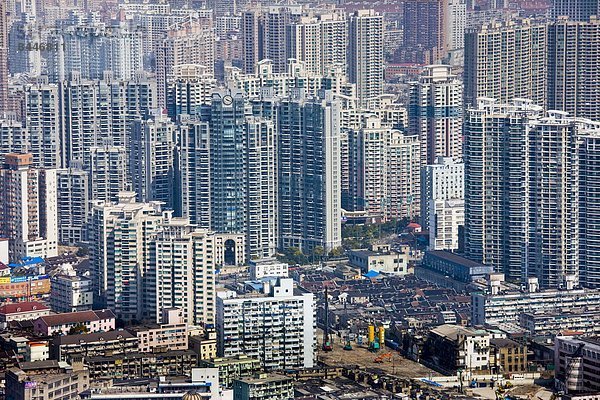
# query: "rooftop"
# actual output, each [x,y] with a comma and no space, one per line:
[93,337]
[23,307]
[75,317]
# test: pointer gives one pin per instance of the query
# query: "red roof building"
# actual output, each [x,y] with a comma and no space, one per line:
[24,311]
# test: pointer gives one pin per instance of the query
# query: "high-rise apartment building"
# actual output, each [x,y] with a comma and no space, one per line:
[252,36]
[189,42]
[184,260]
[42,124]
[404,185]
[577,10]
[13,137]
[194,174]
[108,172]
[262,188]
[506,61]
[152,159]
[309,173]
[276,19]
[228,155]
[98,113]
[442,202]
[318,41]
[589,207]
[435,113]
[190,88]
[365,55]
[73,199]
[285,319]
[28,215]
[554,199]
[368,168]
[456,24]
[121,235]
[3,58]
[573,67]
[425,31]
[89,48]
[521,191]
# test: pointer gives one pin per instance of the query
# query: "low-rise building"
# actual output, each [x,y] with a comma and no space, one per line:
[172,334]
[267,267]
[381,258]
[231,368]
[48,380]
[23,311]
[37,350]
[576,364]
[492,307]
[89,321]
[507,356]
[264,386]
[205,345]
[553,322]
[71,294]
[450,265]
[203,384]
[454,347]
[22,288]
[77,347]
[142,365]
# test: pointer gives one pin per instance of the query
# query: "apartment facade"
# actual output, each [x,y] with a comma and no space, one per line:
[28,210]
[289,319]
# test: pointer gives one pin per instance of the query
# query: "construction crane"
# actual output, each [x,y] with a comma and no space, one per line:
[381,358]
[326,339]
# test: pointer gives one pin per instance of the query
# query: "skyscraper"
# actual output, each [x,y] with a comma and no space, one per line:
[521,191]
[497,185]
[442,195]
[189,88]
[152,159]
[309,174]
[589,206]
[189,42]
[425,31]
[365,55]
[3,57]
[194,174]
[577,10]
[73,199]
[506,61]
[98,113]
[252,36]
[121,235]
[228,163]
[184,260]
[42,121]
[262,188]
[320,42]
[108,172]
[28,216]
[404,185]
[455,24]
[368,167]
[573,67]
[435,113]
